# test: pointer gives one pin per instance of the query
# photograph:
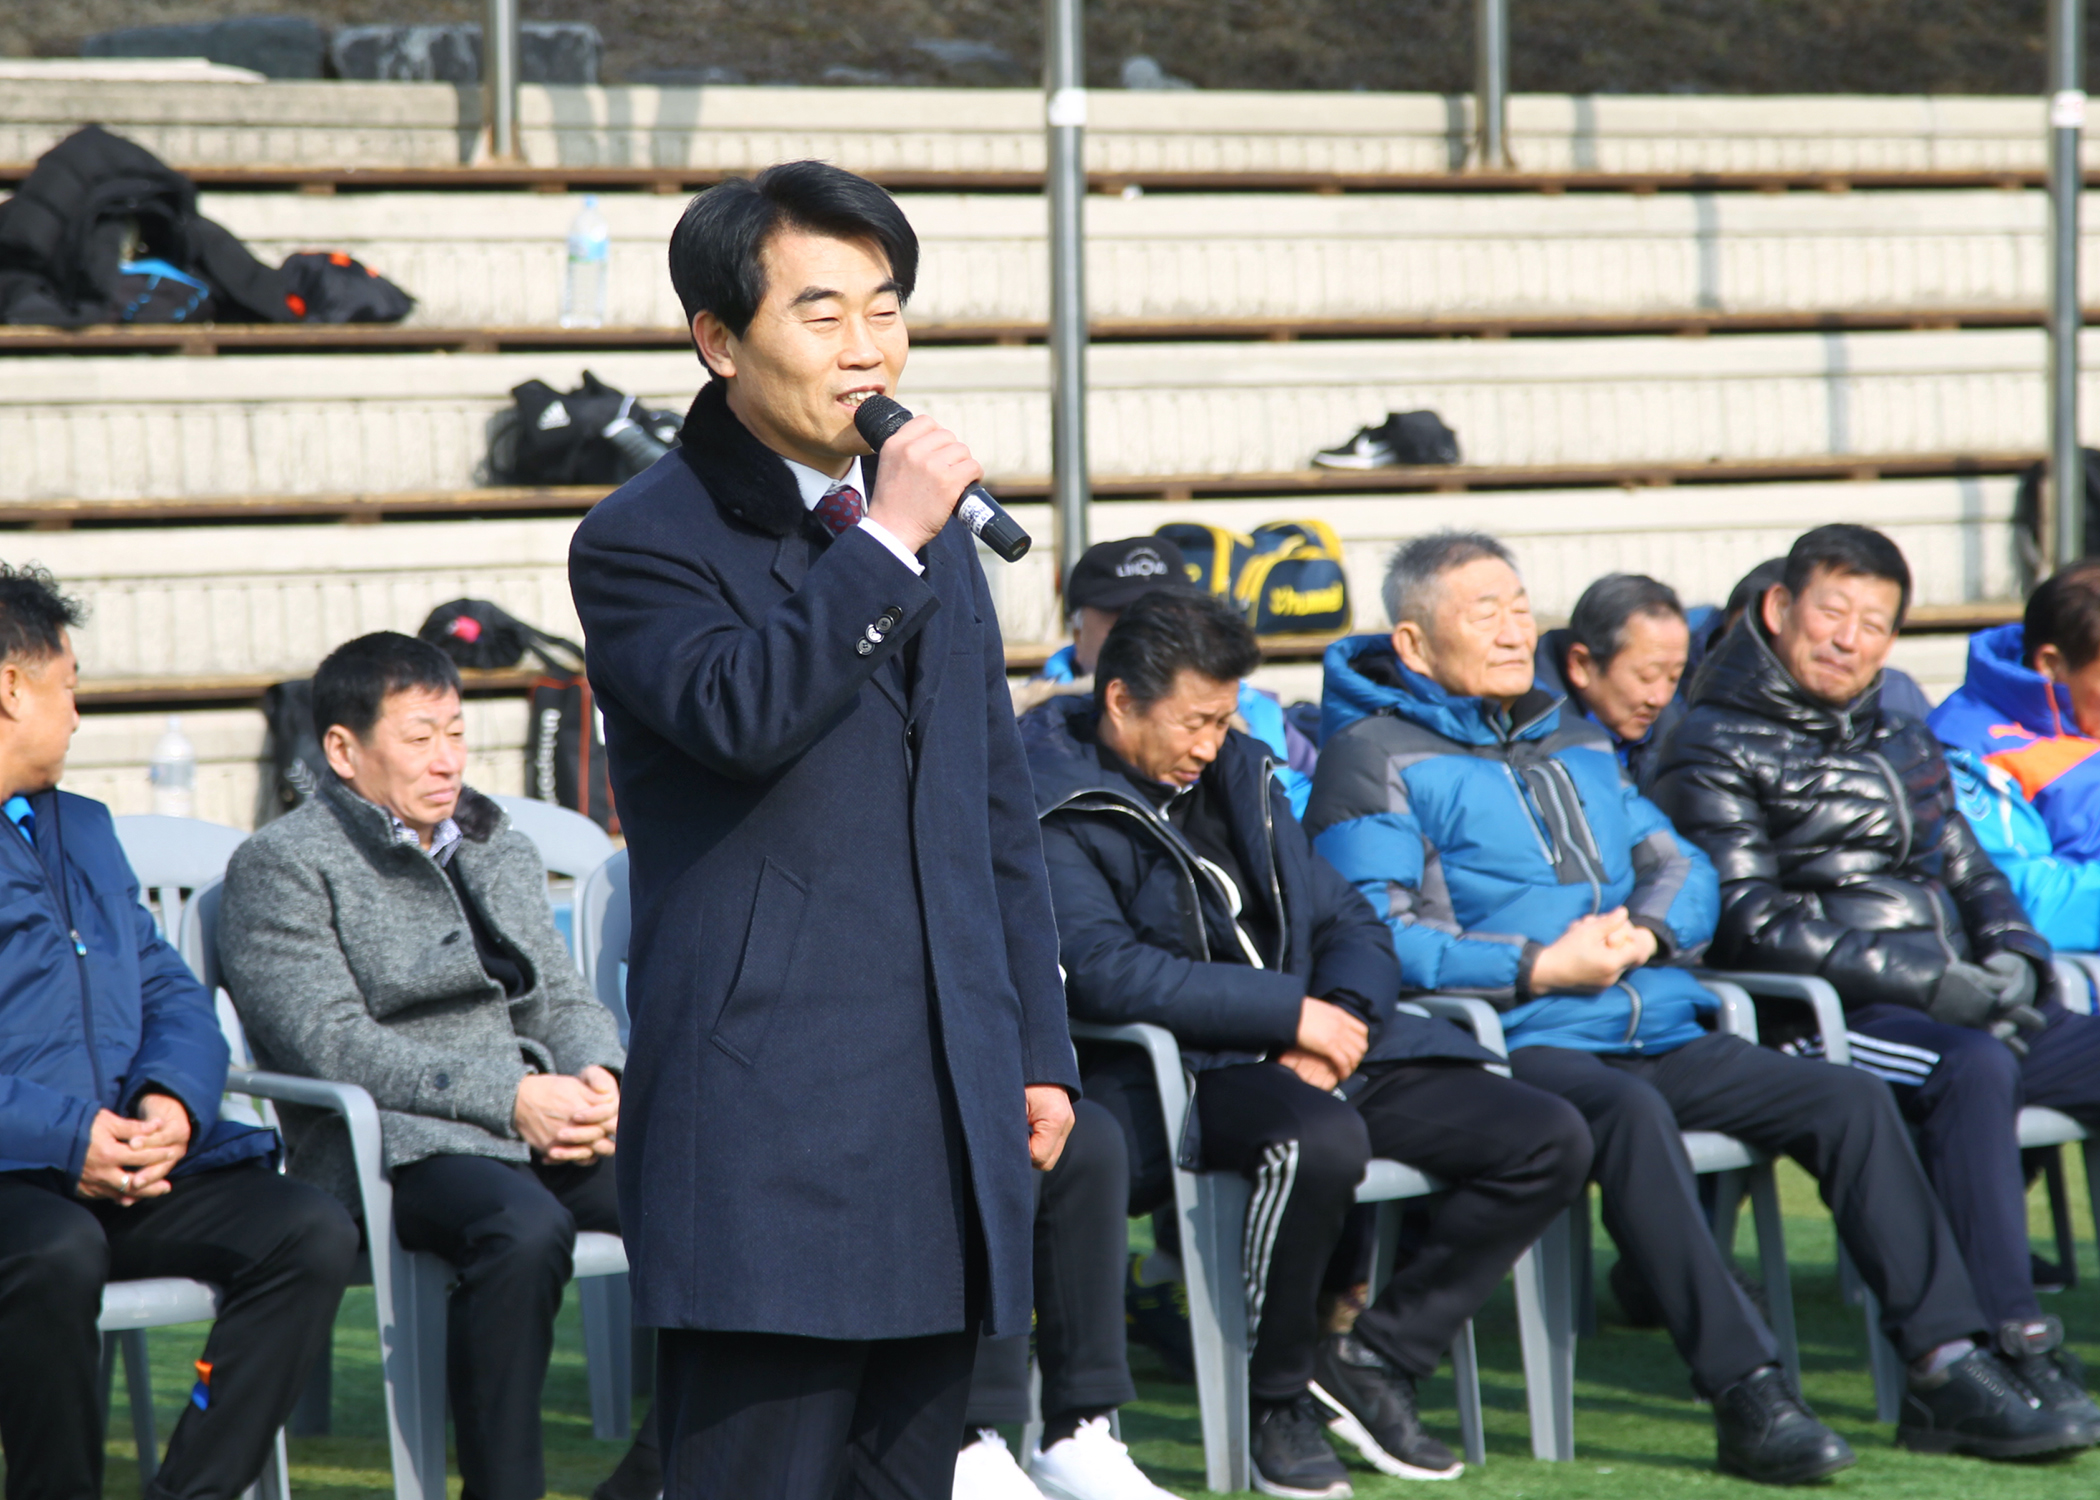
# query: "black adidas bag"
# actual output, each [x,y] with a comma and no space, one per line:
[1213,555]
[564,740]
[328,286]
[550,438]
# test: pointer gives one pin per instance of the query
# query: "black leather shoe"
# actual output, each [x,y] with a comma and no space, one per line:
[1978,1405]
[1373,1409]
[1291,1456]
[1766,1432]
[2036,1352]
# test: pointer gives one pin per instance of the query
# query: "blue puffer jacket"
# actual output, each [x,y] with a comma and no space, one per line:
[94,1024]
[1481,836]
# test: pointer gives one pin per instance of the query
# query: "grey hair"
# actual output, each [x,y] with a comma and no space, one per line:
[1415,566]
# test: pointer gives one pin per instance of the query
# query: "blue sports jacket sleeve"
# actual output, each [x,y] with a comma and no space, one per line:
[1676,894]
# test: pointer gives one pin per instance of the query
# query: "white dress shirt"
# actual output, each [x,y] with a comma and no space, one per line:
[815,485]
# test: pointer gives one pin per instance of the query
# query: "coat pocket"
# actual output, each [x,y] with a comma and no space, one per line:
[770,943]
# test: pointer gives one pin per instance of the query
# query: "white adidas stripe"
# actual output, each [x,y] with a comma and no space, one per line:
[1272,1195]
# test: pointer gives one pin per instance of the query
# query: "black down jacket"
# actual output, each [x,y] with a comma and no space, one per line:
[1835,833]
[1138,916]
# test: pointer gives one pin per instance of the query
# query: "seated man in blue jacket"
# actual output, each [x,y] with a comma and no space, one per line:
[1511,860]
[2023,740]
[114,1163]
[1188,897]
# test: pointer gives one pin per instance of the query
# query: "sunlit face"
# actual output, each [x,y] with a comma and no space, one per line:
[413,760]
[1480,636]
[1630,693]
[1836,636]
[2082,683]
[1179,735]
[38,712]
[828,334]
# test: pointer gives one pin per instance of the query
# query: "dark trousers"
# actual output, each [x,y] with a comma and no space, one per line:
[1081,1237]
[770,1416]
[278,1250]
[1838,1123]
[1516,1157]
[509,1229]
[1306,1151]
[1962,1090]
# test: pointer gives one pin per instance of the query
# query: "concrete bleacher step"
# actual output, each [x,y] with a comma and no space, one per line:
[170,428]
[999,132]
[496,259]
[227,604]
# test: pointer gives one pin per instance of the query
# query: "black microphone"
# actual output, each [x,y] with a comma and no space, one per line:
[878,417]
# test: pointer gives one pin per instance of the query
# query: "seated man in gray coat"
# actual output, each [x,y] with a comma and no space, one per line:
[393,932]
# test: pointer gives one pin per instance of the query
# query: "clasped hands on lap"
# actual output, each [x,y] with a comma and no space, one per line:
[128,1160]
[1594,952]
[568,1119]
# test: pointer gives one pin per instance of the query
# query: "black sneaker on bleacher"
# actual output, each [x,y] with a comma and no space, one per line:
[1291,1455]
[1371,448]
[1978,1405]
[1374,1410]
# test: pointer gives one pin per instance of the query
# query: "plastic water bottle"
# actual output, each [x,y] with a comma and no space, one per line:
[584,280]
[173,772]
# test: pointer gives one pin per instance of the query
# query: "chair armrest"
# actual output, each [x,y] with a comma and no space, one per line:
[1806,989]
[2081,983]
[358,1112]
[1738,1011]
[1477,1016]
[1158,1044]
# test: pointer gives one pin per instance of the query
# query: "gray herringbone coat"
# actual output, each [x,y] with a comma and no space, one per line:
[348,956]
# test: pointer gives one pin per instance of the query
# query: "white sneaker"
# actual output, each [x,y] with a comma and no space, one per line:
[986,1471]
[1091,1465]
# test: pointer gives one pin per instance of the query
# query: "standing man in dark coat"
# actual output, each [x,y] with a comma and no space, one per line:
[849,1035]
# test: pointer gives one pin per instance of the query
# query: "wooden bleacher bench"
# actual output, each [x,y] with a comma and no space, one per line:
[343,338]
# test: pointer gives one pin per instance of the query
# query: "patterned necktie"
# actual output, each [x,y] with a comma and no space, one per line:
[839,509]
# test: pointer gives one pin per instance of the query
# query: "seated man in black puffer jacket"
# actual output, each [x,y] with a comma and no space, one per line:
[1187,896]
[1841,852]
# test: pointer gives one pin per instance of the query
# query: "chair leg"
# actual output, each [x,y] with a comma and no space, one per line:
[1032,1429]
[415,1366]
[608,1333]
[1385,1238]
[1584,1268]
[1546,1331]
[1890,1377]
[1213,1216]
[1771,1265]
[1465,1381]
[2060,1216]
[275,1481]
[138,1385]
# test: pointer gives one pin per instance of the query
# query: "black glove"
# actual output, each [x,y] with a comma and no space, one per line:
[1966,995]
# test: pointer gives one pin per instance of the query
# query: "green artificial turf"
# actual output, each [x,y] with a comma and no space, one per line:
[1638,1433]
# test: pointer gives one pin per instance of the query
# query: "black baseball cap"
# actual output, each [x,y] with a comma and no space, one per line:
[1114,575]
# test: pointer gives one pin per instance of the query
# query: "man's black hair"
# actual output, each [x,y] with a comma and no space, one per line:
[1163,633]
[352,685]
[1844,548]
[1752,587]
[33,614]
[716,248]
[2064,612]
[1599,621]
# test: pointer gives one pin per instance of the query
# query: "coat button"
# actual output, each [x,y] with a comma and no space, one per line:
[443,1080]
[889,618]
[863,647]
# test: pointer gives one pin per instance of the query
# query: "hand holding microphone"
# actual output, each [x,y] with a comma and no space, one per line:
[924,469]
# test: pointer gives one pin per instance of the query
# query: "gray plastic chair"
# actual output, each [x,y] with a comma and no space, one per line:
[2039,1128]
[569,843]
[1211,1209]
[170,857]
[603,921]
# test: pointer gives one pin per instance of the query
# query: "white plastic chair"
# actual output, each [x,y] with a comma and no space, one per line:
[170,857]
[603,921]
[1211,1209]
[411,1289]
[2039,1128]
[569,843]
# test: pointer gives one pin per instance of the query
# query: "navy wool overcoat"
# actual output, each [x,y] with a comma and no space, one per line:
[844,963]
